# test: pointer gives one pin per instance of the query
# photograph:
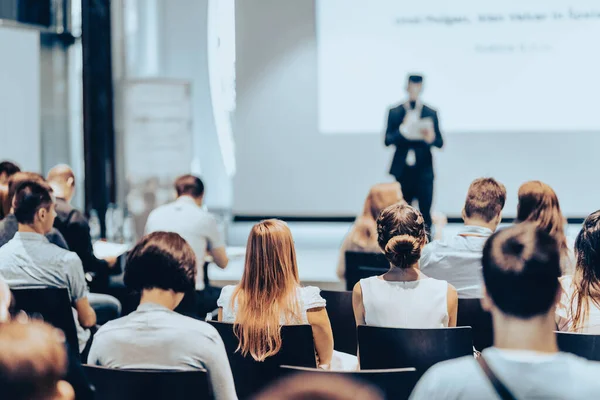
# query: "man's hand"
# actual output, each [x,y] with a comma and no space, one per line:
[112,261]
[428,135]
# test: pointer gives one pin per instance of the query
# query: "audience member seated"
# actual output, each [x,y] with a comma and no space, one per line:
[404,297]
[186,217]
[458,259]
[4,204]
[521,271]
[30,260]
[270,295]
[363,233]
[9,225]
[539,204]
[579,309]
[74,227]
[319,387]
[33,362]
[162,266]
[7,169]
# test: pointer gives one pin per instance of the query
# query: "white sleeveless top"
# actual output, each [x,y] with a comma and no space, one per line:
[415,304]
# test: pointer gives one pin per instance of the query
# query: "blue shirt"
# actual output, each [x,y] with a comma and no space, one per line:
[458,260]
[30,260]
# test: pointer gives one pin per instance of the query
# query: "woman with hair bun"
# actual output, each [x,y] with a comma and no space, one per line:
[404,297]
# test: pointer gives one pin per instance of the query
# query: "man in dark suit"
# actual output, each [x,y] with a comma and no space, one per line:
[412,165]
[75,228]
[74,225]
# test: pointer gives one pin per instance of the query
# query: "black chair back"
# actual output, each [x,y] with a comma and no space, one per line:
[580,344]
[471,314]
[384,348]
[53,305]
[360,265]
[251,376]
[121,384]
[395,383]
[343,324]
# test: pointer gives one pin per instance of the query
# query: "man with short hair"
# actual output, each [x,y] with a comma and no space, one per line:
[521,271]
[412,164]
[7,169]
[9,225]
[29,259]
[458,260]
[75,228]
[186,217]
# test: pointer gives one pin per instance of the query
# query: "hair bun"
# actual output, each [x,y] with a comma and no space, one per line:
[403,250]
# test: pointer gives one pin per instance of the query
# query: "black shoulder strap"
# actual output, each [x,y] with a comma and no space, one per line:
[500,388]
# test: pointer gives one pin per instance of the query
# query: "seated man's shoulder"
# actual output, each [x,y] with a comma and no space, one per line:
[198,327]
[447,379]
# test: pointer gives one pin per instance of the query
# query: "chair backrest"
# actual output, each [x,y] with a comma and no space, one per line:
[343,324]
[471,314]
[397,383]
[580,344]
[383,348]
[360,265]
[53,305]
[251,376]
[121,384]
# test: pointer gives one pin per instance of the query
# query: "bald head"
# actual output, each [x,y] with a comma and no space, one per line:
[62,180]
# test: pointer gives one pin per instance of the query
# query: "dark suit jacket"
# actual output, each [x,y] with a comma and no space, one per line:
[9,226]
[422,149]
[75,228]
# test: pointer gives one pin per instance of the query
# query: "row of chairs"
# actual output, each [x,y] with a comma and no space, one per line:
[382,350]
[343,323]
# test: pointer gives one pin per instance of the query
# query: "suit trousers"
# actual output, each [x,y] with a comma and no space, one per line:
[417,185]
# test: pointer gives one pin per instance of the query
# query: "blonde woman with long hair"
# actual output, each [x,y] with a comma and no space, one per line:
[363,233]
[269,295]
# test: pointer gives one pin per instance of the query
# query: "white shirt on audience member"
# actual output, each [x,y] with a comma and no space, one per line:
[154,337]
[564,315]
[527,374]
[30,260]
[197,226]
[412,304]
[308,296]
[458,260]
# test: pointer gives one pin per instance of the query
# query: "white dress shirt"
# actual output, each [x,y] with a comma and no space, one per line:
[197,226]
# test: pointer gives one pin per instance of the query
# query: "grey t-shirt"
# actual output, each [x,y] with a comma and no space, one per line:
[527,374]
[154,337]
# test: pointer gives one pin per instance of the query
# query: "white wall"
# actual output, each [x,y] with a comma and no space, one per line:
[20,97]
[286,167]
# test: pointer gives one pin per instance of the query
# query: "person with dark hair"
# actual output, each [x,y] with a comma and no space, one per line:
[458,259]
[7,169]
[188,218]
[403,297]
[521,271]
[579,309]
[33,362]
[73,225]
[9,225]
[538,204]
[414,129]
[162,266]
[29,259]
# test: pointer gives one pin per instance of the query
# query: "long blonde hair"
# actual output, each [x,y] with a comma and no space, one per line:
[267,291]
[382,195]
